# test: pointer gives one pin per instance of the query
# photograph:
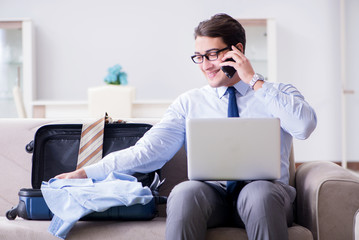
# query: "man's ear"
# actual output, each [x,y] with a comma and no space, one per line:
[240,47]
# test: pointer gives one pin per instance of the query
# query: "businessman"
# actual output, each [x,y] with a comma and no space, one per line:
[264,208]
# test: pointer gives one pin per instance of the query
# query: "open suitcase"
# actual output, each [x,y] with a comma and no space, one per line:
[55,150]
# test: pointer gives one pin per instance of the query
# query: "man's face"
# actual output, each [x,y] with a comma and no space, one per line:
[211,69]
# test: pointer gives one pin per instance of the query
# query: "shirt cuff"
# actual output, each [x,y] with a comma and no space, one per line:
[94,172]
[268,90]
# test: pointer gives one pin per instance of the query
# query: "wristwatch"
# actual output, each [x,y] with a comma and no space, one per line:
[255,78]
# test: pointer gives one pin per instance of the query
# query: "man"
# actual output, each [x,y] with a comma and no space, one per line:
[264,208]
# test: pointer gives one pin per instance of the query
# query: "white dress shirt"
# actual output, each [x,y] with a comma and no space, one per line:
[163,140]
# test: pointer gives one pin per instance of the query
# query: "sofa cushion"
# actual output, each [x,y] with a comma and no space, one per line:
[94,230]
[295,232]
[37,230]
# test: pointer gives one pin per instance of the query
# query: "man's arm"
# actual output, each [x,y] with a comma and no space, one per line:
[285,102]
[150,153]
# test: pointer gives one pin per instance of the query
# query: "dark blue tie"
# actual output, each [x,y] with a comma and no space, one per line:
[232,112]
[232,102]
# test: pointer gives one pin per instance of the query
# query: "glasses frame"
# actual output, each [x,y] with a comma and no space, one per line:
[206,55]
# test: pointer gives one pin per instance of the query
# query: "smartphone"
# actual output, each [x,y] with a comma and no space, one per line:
[229,71]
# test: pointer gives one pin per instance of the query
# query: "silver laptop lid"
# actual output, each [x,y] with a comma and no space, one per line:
[233,148]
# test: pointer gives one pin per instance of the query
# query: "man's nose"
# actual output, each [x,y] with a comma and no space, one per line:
[206,64]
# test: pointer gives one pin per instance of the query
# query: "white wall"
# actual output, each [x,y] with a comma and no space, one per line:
[78,40]
[352,79]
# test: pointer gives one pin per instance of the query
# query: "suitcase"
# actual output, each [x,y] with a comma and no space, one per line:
[55,150]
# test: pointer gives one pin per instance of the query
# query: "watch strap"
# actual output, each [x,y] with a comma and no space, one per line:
[256,77]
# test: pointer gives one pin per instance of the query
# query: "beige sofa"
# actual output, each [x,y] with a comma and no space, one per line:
[326,205]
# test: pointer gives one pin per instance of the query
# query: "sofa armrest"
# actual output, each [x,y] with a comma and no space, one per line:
[327,199]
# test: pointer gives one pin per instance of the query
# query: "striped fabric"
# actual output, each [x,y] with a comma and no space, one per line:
[91,142]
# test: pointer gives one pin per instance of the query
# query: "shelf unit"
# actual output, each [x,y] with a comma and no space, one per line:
[22,68]
[261,46]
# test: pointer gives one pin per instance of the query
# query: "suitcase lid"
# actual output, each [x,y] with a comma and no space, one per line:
[55,146]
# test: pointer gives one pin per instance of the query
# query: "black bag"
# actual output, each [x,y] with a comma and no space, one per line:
[55,150]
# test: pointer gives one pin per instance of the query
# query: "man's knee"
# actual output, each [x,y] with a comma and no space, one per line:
[188,197]
[187,191]
[187,188]
[188,209]
[259,191]
[259,196]
[262,199]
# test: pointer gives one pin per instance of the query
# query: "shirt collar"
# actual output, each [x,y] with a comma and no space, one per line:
[240,86]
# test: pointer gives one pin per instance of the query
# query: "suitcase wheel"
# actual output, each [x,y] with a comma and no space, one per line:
[12,213]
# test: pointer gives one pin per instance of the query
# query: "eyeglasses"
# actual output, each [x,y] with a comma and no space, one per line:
[211,56]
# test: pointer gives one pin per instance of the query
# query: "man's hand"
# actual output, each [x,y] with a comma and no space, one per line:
[79,173]
[241,64]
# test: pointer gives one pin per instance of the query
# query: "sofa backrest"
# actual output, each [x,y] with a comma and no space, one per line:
[174,172]
[291,167]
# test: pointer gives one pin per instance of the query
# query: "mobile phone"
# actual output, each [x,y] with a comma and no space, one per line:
[229,71]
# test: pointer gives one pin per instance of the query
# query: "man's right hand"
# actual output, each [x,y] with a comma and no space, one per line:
[79,173]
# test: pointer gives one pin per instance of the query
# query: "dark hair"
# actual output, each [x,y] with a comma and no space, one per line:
[224,26]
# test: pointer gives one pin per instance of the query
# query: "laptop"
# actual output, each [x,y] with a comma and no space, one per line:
[233,148]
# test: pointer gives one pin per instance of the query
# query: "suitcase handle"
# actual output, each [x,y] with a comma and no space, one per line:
[160,199]
[30,147]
